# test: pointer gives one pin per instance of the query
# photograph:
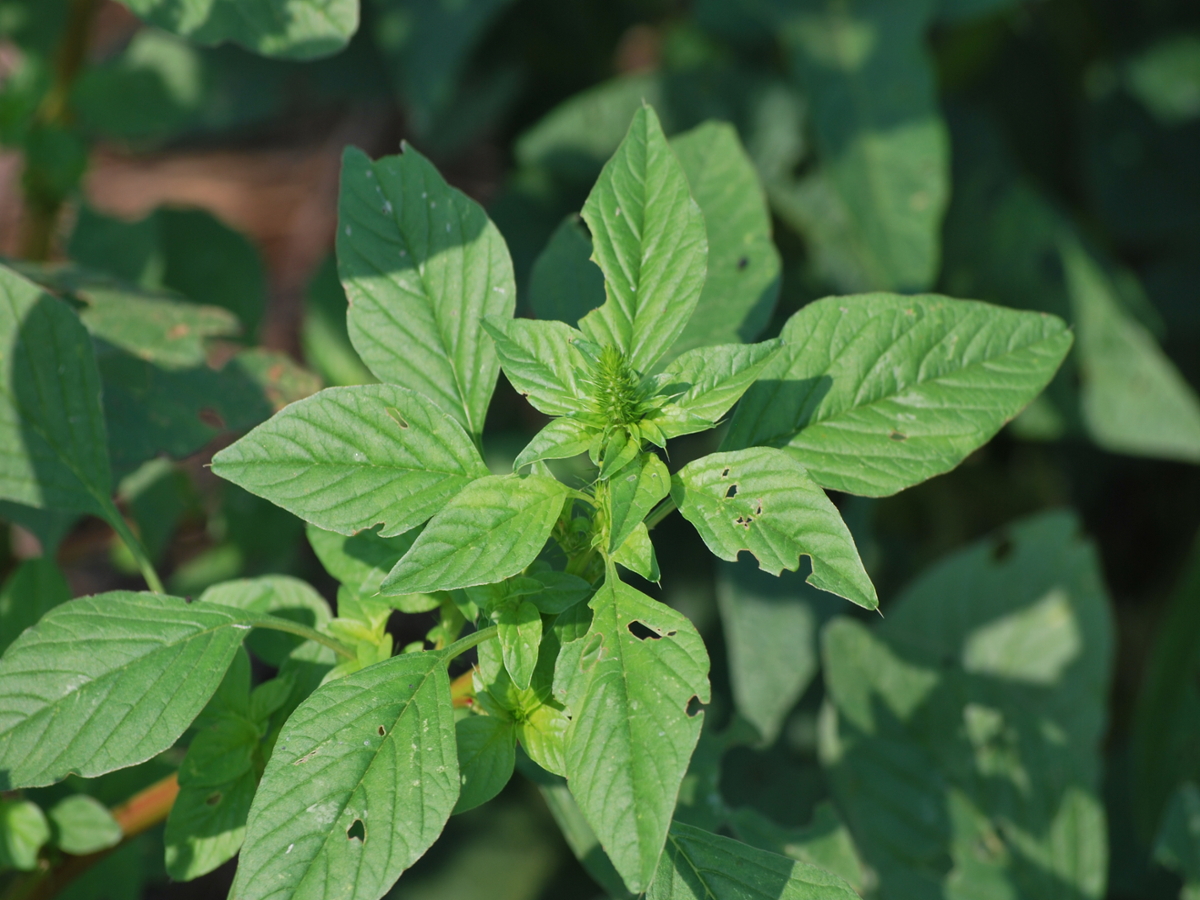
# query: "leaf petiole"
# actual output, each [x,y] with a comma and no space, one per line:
[474,639]
[113,516]
[277,624]
[660,512]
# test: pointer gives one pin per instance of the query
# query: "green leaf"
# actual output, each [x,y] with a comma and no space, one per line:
[1133,398]
[824,842]
[697,865]
[362,561]
[82,824]
[638,668]
[560,591]
[632,494]
[422,265]
[206,826]
[109,681]
[51,424]
[1166,78]
[323,334]
[31,591]
[23,831]
[538,361]
[562,438]
[1177,846]
[770,626]
[762,500]
[1008,645]
[876,393]
[565,285]
[649,240]
[491,530]
[289,29]
[221,752]
[276,595]
[520,636]
[743,265]
[878,130]
[710,380]
[637,554]
[486,755]
[361,782]
[350,458]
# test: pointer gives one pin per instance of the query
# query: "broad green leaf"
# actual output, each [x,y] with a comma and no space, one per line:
[649,240]
[206,826]
[560,591]
[565,285]
[82,824]
[276,595]
[632,494]
[51,424]
[323,334]
[361,561]
[23,831]
[562,438]
[362,780]
[743,265]
[1007,645]
[770,626]
[637,554]
[31,591]
[1133,398]
[491,530]
[877,392]
[640,666]
[351,458]
[763,500]
[824,842]
[698,865]
[1177,846]
[289,29]
[520,636]
[878,130]
[422,265]
[710,380]
[109,681]
[537,361]
[486,755]
[221,752]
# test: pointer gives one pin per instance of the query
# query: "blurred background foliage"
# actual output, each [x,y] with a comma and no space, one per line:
[1024,723]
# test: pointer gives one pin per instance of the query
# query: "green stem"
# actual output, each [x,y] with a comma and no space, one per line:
[113,516]
[660,512]
[475,638]
[276,624]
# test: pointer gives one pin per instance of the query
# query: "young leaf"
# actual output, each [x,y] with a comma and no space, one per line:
[82,824]
[763,500]
[824,842]
[422,265]
[275,595]
[361,782]
[493,529]
[637,554]
[487,751]
[649,240]
[537,360]
[206,826]
[877,392]
[23,831]
[562,438]
[632,494]
[351,458]
[743,264]
[697,865]
[109,681]
[640,665]
[51,423]
[711,380]
[35,588]
[564,284]
[520,636]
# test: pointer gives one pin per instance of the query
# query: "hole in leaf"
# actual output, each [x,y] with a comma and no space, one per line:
[396,417]
[732,492]
[1002,550]
[357,831]
[642,633]
[211,418]
[725,472]
[382,731]
[743,262]
[897,436]
[213,799]
[758,509]
[694,706]
[744,521]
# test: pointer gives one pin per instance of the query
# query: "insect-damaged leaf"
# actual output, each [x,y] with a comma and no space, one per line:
[361,781]
[422,265]
[628,684]
[109,681]
[763,500]
[349,458]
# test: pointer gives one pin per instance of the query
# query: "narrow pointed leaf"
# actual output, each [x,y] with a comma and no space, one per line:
[109,681]
[491,531]
[564,284]
[649,239]
[351,458]
[632,494]
[52,431]
[422,265]
[698,865]
[487,752]
[562,438]
[762,500]
[878,392]
[630,739]
[362,780]
[711,379]
[537,361]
